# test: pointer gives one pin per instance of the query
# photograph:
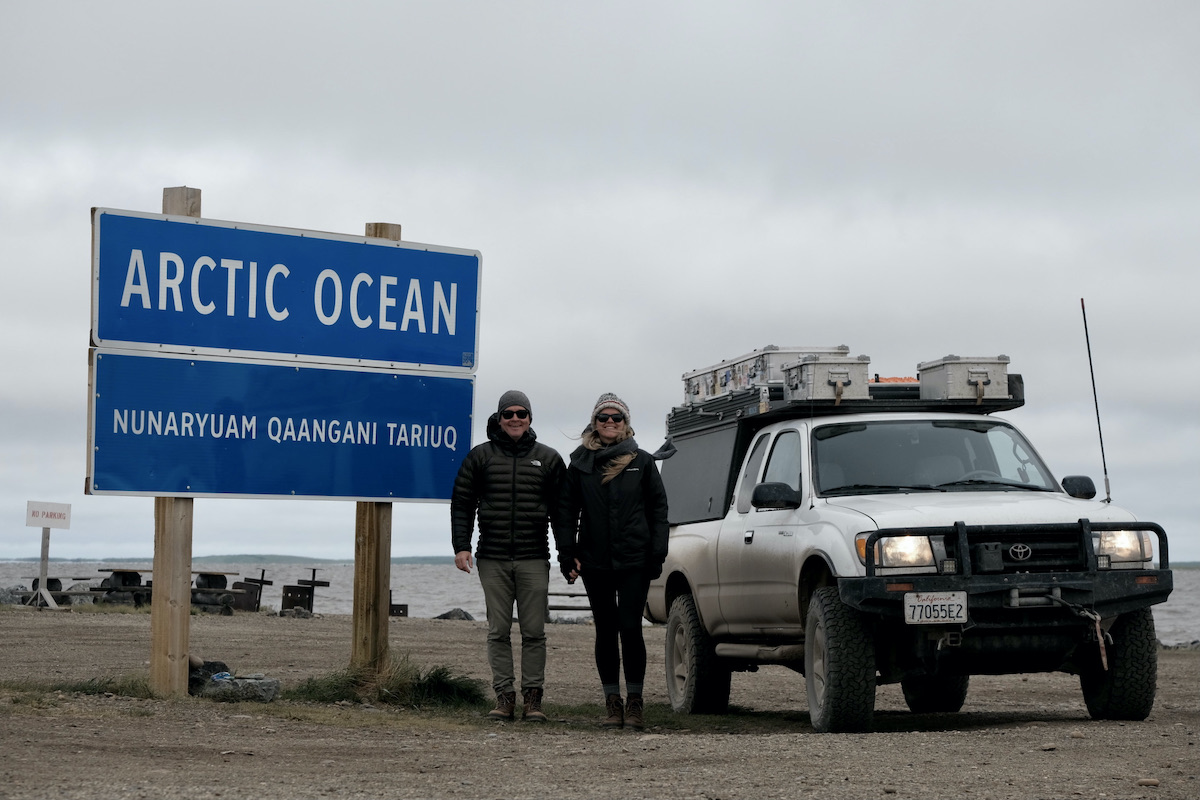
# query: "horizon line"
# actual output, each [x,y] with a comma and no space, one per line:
[243,557]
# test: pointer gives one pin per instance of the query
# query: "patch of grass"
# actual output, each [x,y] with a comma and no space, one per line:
[126,686]
[401,683]
[437,686]
[395,684]
[39,694]
[345,684]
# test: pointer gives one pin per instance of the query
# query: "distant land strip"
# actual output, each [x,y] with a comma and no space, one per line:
[254,559]
[257,558]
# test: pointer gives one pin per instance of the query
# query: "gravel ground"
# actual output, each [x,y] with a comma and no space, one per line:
[1020,736]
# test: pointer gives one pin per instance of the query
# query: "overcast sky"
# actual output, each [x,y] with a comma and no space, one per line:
[653,187]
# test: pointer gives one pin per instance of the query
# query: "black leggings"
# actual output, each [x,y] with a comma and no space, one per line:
[618,598]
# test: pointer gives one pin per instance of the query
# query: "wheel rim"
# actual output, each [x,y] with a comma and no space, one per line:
[678,662]
[818,668]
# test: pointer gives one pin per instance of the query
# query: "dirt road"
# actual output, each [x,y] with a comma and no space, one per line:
[1017,737]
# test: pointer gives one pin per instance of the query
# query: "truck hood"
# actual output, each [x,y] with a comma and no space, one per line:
[927,509]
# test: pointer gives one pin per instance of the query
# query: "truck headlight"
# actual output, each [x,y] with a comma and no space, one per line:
[1123,547]
[898,552]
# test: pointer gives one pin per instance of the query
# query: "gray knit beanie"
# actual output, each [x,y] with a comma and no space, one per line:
[610,400]
[514,398]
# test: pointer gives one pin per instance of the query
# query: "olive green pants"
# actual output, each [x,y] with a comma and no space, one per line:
[524,583]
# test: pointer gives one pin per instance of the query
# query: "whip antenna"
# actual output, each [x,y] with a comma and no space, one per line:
[1096,402]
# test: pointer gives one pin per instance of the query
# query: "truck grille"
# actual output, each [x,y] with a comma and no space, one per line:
[1024,551]
[1015,549]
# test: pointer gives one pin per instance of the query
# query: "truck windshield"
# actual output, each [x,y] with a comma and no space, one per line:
[925,455]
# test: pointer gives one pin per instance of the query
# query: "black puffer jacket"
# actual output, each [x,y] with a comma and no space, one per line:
[621,524]
[513,488]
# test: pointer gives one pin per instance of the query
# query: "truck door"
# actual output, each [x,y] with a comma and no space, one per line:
[730,542]
[757,558]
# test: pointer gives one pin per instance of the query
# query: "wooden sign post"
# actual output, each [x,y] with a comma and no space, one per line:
[171,600]
[372,556]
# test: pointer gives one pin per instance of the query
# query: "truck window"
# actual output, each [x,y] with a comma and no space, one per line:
[784,464]
[750,475]
[702,477]
[1015,461]
[943,455]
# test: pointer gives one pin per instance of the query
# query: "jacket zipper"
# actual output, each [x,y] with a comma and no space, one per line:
[512,511]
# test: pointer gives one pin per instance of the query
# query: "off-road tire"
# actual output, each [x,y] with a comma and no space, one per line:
[935,694]
[697,681]
[839,665]
[1124,691]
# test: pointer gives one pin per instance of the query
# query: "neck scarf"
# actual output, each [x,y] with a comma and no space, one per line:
[593,455]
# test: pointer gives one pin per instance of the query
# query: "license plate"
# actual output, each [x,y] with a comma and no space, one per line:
[935,608]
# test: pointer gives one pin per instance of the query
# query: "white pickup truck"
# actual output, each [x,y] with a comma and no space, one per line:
[864,532]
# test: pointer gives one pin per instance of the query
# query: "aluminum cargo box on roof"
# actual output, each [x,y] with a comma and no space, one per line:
[756,368]
[964,378]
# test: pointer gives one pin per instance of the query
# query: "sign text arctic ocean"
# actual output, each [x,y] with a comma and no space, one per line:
[201,286]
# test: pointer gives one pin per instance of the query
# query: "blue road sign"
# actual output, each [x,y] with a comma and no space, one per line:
[198,286]
[168,425]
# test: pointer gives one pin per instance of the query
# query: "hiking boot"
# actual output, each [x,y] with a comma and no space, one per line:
[634,711]
[615,710]
[533,706]
[506,706]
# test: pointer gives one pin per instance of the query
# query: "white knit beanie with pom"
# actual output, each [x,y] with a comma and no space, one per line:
[610,400]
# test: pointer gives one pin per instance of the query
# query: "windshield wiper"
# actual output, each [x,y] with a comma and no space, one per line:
[993,482]
[872,488]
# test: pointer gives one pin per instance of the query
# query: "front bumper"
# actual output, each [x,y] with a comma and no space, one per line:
[1012,598]
[1030,600]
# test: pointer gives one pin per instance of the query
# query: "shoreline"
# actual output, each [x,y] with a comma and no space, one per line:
[430,589]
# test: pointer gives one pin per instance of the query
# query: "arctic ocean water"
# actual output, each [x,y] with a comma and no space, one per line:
[430,589]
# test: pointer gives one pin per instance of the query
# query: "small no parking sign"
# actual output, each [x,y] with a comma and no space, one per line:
[47,515]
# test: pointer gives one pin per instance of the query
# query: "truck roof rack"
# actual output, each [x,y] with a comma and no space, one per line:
[761,405]
[800,382]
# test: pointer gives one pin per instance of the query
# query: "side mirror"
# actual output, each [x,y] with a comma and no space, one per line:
[774,495]
[1080,486]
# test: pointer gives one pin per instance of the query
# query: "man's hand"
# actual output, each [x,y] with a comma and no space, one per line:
[463,560]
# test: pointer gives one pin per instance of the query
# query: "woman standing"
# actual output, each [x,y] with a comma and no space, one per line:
[614,528]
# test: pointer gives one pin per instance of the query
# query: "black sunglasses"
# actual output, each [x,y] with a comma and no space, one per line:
[509,414]
[607,417]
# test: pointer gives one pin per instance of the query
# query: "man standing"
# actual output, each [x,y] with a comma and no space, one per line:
[511,481]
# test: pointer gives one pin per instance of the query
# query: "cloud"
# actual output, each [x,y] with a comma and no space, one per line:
[653,188]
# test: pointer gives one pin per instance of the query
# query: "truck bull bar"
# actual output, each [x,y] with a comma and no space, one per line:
[1060,569]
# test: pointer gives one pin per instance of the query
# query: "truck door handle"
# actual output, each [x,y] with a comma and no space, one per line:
[748,538]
